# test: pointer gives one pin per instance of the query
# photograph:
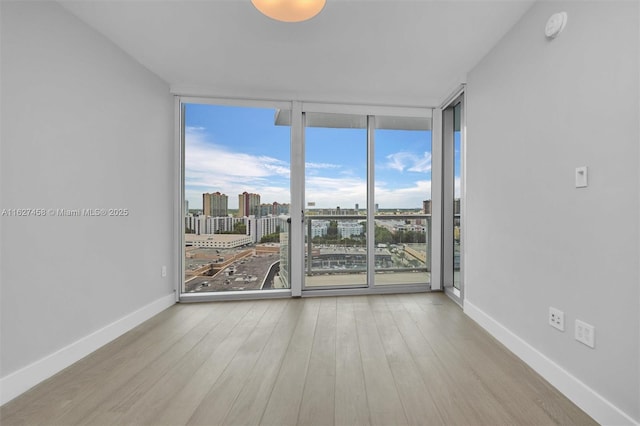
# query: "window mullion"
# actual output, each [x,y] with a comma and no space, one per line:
[297,200]
[371,252]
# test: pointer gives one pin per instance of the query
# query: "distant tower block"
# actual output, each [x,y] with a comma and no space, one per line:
[215,205]
[426,206]
[248,204]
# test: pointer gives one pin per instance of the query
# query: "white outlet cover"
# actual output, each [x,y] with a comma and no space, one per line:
[558,315]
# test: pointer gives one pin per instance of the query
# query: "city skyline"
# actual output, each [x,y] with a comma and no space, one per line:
[216,205]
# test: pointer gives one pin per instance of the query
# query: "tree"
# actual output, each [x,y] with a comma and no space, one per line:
[332,230]
[383,235]
[271,238]
[401,237]
[240,228]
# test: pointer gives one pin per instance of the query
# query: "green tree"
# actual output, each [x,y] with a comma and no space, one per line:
[332,230]
[271,238]
[383,235]
[240,228]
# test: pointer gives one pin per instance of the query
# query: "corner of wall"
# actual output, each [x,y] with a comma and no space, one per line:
[594,404]
[22,380]
[536,110]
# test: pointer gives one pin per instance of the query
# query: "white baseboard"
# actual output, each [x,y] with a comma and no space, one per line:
[24,379]
[601,410]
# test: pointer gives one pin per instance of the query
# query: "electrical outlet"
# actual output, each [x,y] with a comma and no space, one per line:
[556,318]
[163,271]
[585,333]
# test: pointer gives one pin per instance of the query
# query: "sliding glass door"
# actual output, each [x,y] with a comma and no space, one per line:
[336,200]
[402,200]
[367,200]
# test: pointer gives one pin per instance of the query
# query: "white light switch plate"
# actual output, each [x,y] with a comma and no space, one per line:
[581,177]
[585,333]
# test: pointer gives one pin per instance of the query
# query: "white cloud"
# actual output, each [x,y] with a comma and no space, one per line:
[346,192]
[331,192]
[408,197]
[321,166]
[408,161]
[314,169]
[211,167]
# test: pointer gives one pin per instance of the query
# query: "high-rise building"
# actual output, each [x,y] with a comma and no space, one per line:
[265,210]
[426,206]
[273,209]
[215,205]
[248,204]
[278,209]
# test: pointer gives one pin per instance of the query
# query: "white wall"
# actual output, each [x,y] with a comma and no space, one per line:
[536,109]
[83,126]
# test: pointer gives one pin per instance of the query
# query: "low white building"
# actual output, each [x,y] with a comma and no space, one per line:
[211,225]
[319,228]
[258,227]
[217,240]
[349,229]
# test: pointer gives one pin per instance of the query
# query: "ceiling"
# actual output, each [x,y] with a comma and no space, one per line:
[388,52]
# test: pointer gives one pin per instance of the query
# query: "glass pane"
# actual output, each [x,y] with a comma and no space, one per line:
[403,200]
[456,196]
[236,199]
[336,200]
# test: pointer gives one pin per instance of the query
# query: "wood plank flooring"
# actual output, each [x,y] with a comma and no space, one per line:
[363,360]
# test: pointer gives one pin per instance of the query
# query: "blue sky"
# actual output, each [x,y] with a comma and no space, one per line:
[237,149]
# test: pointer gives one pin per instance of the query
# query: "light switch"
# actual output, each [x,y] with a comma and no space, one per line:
[581,177]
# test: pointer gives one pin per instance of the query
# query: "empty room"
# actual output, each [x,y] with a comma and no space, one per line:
[182,243]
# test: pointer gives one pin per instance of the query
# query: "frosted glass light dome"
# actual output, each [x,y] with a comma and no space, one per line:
[289,10]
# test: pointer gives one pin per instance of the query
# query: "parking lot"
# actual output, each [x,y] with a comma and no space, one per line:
[245,274]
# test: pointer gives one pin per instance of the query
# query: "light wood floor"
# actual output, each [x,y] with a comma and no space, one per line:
[383,360]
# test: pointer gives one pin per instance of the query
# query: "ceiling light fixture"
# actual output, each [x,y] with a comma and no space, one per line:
[289,10]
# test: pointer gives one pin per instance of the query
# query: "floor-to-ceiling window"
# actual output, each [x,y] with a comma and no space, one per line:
[363,215]
[402,200]
[457,171]
[367,200]
[453,220]
[236,199]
